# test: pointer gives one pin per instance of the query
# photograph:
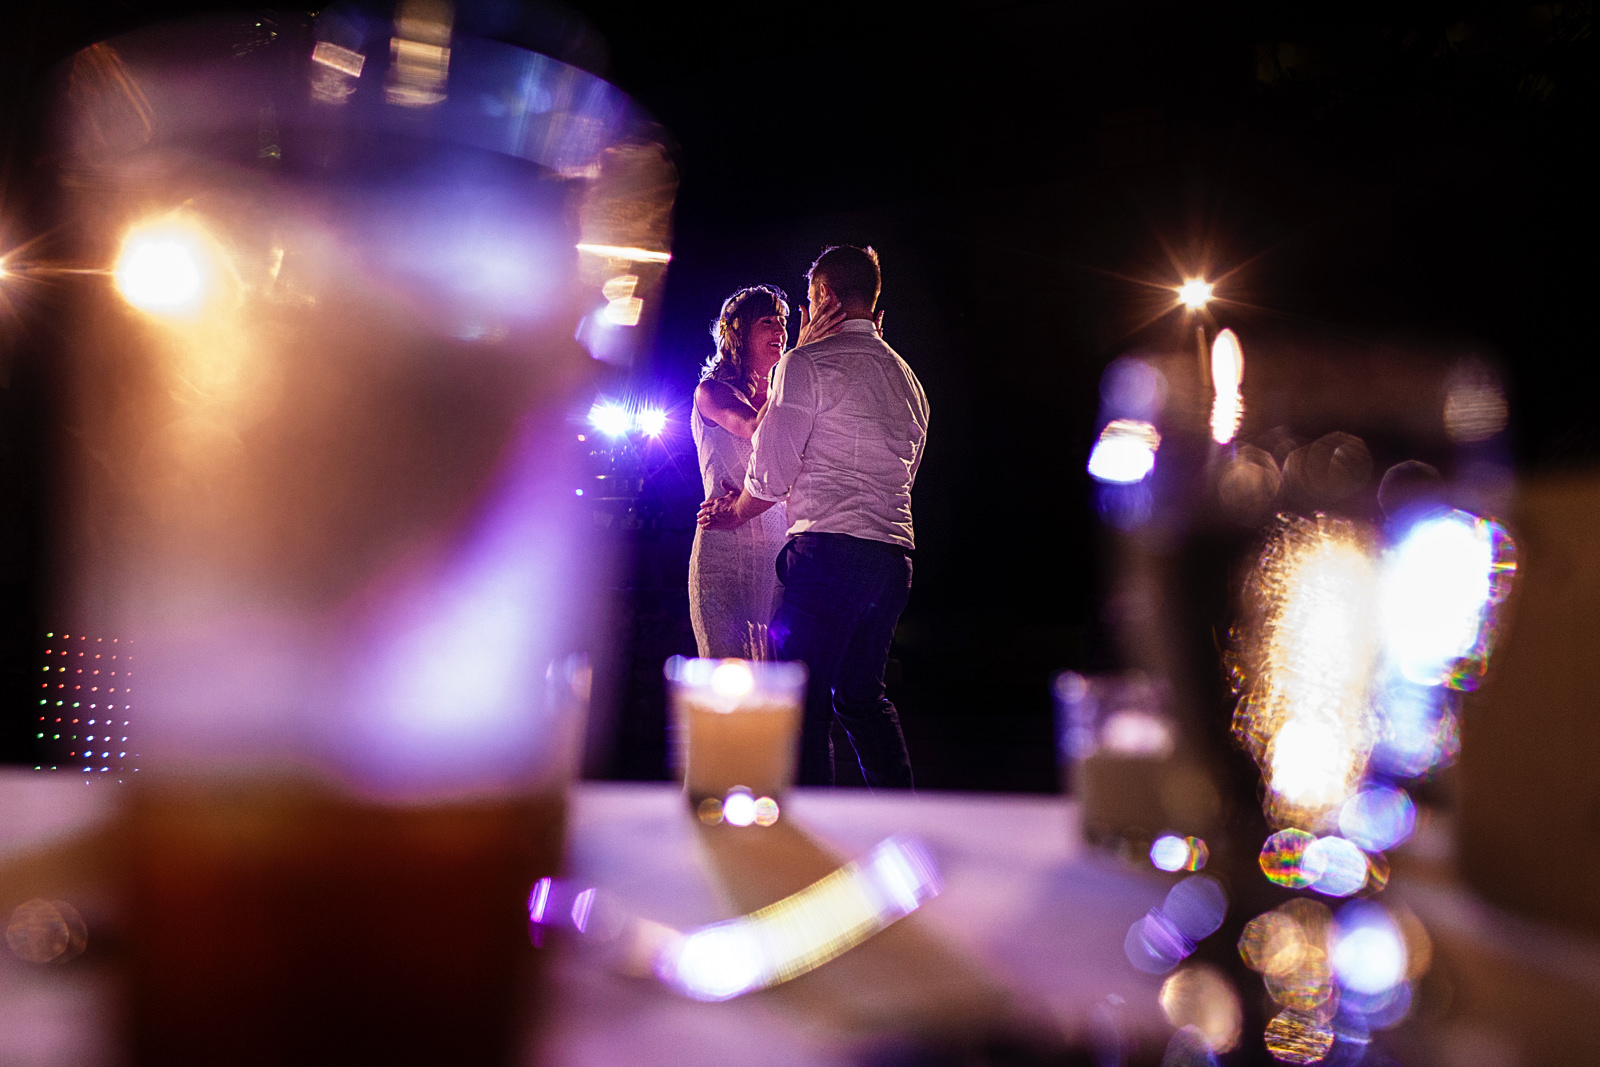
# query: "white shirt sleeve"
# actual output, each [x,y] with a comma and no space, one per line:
[780,440]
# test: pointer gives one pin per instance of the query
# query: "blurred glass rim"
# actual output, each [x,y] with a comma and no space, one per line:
[766,674]
[213,82]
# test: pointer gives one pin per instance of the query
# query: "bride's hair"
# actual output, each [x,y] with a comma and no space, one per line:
[731,329]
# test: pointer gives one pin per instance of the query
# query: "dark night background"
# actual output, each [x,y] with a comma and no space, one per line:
[1030,173]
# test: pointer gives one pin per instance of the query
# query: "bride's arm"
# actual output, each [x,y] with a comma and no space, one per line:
[723,405]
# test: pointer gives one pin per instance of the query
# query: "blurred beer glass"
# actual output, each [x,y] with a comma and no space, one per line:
[319,477]
[1119,751]
[738,727]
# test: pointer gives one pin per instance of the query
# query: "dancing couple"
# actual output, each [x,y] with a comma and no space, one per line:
[805,538]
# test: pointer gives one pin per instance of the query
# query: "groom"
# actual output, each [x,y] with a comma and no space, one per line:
[840,442]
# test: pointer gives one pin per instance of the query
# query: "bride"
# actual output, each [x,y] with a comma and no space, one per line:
[732,580]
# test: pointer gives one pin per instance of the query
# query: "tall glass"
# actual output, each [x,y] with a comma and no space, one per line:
[320,481]
[737,726]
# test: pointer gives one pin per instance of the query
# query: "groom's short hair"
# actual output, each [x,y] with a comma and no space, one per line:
[852,273]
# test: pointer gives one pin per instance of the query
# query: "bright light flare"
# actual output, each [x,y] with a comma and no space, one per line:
[612,420]
[1227,374]
[167,268]
[624,252]
[1125,452]
[1437,591]
[1195,294]
[1369,951]
[1306,665]
[619,420]
[652,422]
[732,678]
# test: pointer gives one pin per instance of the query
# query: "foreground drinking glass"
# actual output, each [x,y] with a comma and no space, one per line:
[320,479]
[286,918]
[738,730]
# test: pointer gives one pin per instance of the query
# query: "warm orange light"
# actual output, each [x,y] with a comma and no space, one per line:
[168,267]
[634,255]
[1194,294]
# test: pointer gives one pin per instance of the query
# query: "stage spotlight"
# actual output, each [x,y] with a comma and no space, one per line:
[610,419]
[652,422]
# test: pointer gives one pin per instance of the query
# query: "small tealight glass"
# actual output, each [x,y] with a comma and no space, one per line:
[736,730]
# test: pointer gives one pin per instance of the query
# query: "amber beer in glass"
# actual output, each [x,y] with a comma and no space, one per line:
[737,724]
[321,480]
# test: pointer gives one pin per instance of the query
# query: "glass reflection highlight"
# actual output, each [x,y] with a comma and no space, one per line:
[1475,407]
[419,65]
[1227,374]
[1125,452]
[805,930]
[772,945]
[1306,658]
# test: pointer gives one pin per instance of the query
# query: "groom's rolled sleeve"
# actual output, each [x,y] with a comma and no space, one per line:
[780,440]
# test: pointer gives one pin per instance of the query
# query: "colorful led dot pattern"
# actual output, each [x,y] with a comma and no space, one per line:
[85,701]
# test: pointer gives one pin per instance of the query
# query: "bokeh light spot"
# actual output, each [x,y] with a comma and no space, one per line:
[739,807]
[46,931]
[1196,906]
[1283,859]
[1369,952]
[1308,987]
[1342,863]
[732,678]
[1202,997]
[1154,944]
[766,811]
[1131,388]
[1170,853]
[1272,943]
[1378,818]
[1298,1038]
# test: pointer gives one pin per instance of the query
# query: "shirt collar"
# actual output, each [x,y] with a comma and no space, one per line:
[857,326]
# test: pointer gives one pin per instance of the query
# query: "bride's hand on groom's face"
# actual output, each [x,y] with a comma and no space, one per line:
[827,320]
